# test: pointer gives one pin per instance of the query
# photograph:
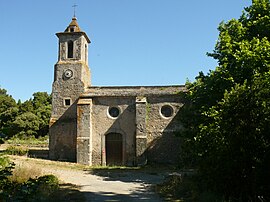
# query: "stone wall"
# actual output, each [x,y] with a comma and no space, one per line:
[104,124]
[148,136]
[162,144]
[62,136]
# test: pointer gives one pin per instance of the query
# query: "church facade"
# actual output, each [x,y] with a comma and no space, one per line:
[108,125]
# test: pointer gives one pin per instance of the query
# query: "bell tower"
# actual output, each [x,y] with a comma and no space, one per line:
[71,79]
[71,72]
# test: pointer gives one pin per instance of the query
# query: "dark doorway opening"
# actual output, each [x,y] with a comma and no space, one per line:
[114,149]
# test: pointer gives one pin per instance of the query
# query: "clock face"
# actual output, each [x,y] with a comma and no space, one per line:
[68,73]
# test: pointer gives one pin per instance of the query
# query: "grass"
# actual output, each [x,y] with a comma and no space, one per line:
[16,150]
[48,163]
[28,179]
[29,141]
[23,173]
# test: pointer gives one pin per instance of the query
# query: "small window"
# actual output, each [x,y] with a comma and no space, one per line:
[114,112]
[72,29]
[67,102]
[166,111]
[70,49]
[85,49]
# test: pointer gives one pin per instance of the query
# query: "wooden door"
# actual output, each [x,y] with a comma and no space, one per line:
[114,149]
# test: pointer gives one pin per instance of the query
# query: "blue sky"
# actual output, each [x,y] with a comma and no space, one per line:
[134,42]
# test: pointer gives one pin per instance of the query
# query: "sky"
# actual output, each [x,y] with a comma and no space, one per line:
[133,42]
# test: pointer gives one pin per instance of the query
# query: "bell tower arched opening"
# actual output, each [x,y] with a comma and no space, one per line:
[70,49]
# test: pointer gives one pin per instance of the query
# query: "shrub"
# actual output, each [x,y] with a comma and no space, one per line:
[20,187]
[21,174]
[38,189]
[6,168]
[186,187]
[13,150]
[176,187]
[41,141]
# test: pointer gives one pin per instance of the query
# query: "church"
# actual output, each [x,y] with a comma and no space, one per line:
[94,125]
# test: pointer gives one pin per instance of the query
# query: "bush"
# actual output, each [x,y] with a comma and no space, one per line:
[13,150]
[6,168]
[21,174]
[29,141]
[39,189]
[177,187]
[186,187]
[14,188]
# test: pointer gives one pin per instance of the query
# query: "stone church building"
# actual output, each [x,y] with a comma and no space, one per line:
[108,125]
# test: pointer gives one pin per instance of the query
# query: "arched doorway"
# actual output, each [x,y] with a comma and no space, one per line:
[114,149]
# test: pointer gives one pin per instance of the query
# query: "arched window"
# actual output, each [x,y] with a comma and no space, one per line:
[70,49]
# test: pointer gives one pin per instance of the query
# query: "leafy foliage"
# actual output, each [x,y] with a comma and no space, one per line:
[226,115]
[30,118]
[15,150]
[37,189]
[5,171]
[8,111]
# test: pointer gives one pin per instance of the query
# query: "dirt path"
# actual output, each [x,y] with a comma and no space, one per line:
[101,185]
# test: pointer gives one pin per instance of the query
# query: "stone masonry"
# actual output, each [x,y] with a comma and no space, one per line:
[108,125]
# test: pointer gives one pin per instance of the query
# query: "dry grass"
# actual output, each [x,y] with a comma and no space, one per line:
[22,173]
[26,168]
[16,150]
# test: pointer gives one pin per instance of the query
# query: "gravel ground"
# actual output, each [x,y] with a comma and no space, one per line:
[102,185]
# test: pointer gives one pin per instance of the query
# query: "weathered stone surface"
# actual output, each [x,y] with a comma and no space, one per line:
[84,132]
[79,132]
[66,89]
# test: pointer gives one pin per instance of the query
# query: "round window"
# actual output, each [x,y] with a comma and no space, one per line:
[114,112]
[166,111]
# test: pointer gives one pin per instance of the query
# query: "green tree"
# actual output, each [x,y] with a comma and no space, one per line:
[41,99]
[26,106]
[8,111]
[26,124]
[226,111]
[40,106]
[25,119]
[235,146]
[42,109]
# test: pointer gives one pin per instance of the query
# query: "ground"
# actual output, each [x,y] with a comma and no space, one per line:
[102,184]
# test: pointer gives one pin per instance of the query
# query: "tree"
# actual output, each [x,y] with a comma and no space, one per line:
[42,109]
[26,124]
[38,110]
[25,119]
[8,111]
[41,99]
[227,110]
[235,146]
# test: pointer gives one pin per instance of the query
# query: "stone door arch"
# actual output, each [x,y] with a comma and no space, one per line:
[114,149]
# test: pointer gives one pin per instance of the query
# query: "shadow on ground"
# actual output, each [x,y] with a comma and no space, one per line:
[143,195]
[146,179]
[68,192]
[130,174]
[140,183]
[38,153]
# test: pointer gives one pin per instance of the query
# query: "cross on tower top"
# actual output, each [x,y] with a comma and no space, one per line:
[74,6]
